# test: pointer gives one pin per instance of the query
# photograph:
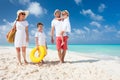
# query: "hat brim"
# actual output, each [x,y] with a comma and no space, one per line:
[22,11]
[57,10]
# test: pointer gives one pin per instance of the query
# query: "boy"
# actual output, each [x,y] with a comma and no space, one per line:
[40,37]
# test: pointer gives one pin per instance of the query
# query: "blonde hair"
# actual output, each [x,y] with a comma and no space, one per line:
[66,12]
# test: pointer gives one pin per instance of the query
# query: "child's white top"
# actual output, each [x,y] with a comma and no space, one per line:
[58,27]
[66,25]
[41,38]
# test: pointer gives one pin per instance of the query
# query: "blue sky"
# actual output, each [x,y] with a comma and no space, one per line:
[92,21]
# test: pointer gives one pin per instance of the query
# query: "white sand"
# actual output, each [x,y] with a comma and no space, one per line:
[77,67]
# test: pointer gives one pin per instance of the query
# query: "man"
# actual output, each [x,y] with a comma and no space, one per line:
[57,26]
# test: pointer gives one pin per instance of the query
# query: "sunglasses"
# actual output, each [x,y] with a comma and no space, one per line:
[22,13]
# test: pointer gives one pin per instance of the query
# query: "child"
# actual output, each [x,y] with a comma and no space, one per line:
[40,37]
[66,28]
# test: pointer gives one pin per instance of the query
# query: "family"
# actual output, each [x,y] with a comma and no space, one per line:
[60,25]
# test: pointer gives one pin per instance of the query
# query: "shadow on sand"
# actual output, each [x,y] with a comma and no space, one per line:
[53,63]
[46,63]
[83,61]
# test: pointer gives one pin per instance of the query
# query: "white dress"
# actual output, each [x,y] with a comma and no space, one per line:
[20,36]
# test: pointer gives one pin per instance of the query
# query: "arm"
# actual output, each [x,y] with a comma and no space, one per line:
[36,41]
[27,35]
[52,34]
[46,45]
[62,18]
[62,32]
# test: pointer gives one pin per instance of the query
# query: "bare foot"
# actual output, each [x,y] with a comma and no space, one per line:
[25,62]
[19,63]
[61,62]
[40,64]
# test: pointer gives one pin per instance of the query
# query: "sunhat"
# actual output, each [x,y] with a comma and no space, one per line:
[22,11]
[57,10]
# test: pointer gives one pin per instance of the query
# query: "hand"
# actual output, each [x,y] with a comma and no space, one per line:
[7,36]
[62,18]
[37,47]
[46,47]
[52,40]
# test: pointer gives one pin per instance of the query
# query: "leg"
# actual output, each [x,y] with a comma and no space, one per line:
[64,48]
[63,55]
[62,41]
[18,55]
[58,45]
[62,38]
[60,56]
[24,54]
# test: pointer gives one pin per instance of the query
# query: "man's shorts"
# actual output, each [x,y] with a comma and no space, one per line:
[59,42]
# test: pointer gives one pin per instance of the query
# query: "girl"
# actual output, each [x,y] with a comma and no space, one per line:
[66,28]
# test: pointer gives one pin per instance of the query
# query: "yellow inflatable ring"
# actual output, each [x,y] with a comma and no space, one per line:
[42,52]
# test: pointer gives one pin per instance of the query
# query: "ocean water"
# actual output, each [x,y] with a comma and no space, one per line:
[99,50]
[104,51]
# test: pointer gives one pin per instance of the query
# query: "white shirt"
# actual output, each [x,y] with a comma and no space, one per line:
[58,27]
[66,25]
[41,38]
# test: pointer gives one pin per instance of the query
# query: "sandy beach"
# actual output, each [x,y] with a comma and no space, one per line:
[77,67]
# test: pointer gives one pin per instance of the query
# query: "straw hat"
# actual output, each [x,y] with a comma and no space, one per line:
[22,11]
[57,10]
[65,12]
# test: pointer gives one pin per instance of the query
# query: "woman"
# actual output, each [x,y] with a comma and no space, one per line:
[21,36]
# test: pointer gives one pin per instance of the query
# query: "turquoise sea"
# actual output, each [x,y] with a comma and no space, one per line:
[100,50]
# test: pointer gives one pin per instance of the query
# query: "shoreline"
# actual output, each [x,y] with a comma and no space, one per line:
[91,55]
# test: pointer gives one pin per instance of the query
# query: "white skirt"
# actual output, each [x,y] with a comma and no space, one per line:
[20,39]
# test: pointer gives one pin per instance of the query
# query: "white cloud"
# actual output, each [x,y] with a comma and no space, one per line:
[78,1]
[4,29]
[86,28]
[119,22]
[118,34]
[23,2]
[110,29]
[36,9]
[101,7]
[94,23]
[91,15]
[95,31]
[87,35]
[79,31]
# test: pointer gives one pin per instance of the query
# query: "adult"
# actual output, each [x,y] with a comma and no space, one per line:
[21,36]
[56,25]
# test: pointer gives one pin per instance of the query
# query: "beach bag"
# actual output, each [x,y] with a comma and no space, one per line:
[11,34]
